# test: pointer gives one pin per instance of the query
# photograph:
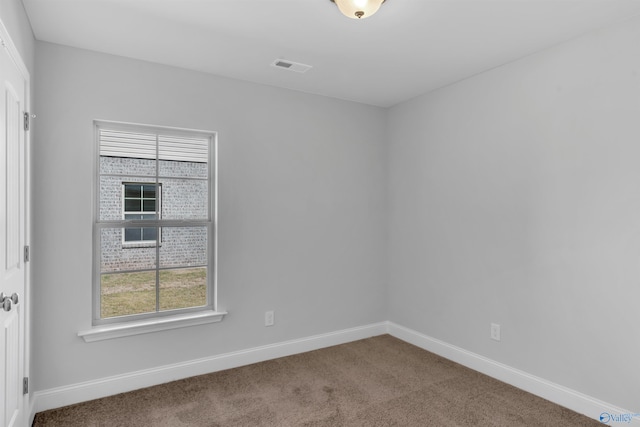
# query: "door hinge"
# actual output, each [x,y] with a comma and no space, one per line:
[25,385]
[27,254]
[26,120]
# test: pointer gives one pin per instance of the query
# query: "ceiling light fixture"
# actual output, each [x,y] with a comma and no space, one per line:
[357,9]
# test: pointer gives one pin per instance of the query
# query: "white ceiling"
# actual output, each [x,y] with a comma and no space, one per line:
[408,48]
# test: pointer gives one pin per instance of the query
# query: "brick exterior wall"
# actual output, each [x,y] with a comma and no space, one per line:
[180,199]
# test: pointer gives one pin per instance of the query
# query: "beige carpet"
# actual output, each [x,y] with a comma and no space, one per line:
[379,381]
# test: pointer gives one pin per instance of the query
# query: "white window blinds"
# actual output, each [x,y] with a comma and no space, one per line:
[117,143]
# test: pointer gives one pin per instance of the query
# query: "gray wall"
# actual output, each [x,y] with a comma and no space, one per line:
[301,218]
[515,199]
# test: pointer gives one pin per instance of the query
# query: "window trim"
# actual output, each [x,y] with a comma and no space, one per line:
[170,318]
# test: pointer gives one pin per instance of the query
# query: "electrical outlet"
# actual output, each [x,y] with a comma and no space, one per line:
[269,318]
[495,331]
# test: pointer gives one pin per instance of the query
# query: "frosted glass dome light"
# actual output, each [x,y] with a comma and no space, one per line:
[358,9]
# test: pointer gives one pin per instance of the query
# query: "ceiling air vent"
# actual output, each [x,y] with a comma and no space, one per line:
[291,66]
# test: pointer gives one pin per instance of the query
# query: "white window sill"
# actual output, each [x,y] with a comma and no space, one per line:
[106,332]
[139,245]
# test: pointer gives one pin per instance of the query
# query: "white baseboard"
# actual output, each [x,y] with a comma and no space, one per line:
[576,401]
[563,396]
[82,392]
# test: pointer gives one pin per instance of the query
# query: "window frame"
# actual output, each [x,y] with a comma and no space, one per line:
[158,198]
[158,319]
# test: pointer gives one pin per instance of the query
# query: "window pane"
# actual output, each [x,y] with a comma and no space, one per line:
[114,257]
[111,200]
[176,169]
[123,294]
[183,247]
[149,205]
[149,233]
[132,205]
[183,288]
[149,191]
[127,166]
[132,191]
[185,199]
[183,156]
[132,234]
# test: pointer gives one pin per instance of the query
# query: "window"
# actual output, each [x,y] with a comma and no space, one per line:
[149,263]
[140,201]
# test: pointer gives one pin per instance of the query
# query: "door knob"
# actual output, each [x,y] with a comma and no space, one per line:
[14,297]
[8,301]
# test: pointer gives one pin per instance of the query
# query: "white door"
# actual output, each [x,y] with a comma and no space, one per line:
[12,240]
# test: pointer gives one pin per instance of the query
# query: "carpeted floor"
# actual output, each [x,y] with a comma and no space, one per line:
[379,381]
